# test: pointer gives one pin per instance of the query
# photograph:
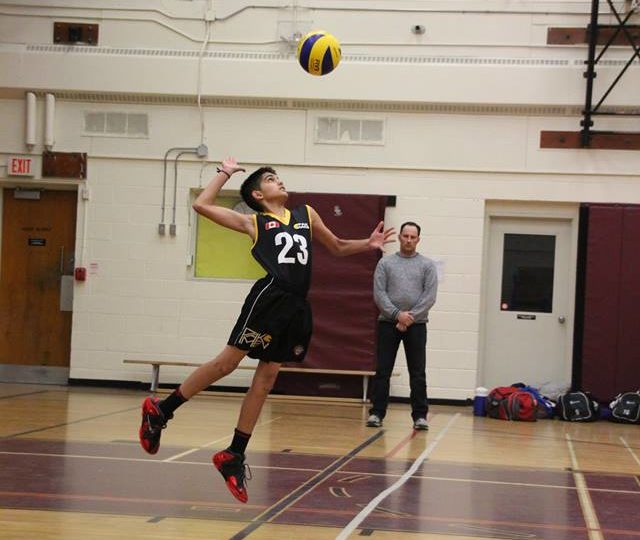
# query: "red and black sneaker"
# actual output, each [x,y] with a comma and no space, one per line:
[153,422]
[234,471]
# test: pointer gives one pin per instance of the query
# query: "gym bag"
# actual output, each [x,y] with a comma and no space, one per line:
[626,408]
[511,403]
[577,407]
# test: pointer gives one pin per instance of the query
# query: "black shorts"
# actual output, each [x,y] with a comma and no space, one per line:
[274,325]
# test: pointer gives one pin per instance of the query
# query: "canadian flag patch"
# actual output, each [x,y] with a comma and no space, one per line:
[271,225]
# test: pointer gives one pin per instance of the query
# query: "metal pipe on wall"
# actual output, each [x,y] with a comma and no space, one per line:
[30,120]
[49,121]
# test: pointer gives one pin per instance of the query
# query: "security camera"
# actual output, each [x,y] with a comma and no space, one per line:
[418,29]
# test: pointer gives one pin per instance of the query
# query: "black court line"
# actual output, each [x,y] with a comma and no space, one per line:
[305,488]
[69,423]
[25,394]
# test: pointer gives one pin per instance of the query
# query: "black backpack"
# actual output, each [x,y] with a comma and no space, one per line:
[626,408]
[577,407]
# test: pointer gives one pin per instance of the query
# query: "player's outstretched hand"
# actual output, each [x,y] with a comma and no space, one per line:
[230,166]
[379,237]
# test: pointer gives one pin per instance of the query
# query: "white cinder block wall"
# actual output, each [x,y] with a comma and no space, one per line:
[462,107]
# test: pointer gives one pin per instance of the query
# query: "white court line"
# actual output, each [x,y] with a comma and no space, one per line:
[589,513]
[306,469]
[187,452]
[77,456]
[362,515]
[147,460]
[633,454]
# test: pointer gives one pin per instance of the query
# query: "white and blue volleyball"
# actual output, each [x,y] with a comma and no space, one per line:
[319,52]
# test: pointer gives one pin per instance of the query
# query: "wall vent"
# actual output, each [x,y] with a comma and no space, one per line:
[116,124]
[362,58]
[333,130]
[609,62]
[372,107]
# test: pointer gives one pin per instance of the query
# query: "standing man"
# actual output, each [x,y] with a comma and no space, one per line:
[405,285]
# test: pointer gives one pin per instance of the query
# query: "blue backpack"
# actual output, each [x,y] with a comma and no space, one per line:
[546,407]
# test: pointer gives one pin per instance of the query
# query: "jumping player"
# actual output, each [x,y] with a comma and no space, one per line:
[274,325]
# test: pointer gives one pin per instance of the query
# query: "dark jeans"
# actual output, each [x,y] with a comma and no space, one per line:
[414,341]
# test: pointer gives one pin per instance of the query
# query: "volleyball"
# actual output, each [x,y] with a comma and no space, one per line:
[319,52]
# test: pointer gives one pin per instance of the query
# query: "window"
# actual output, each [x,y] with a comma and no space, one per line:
[116,124]
[527,272]
[349,131]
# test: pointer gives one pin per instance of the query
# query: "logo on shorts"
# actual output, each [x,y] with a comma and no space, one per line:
[300,225]
[254,339]
[298,350]
[271,225]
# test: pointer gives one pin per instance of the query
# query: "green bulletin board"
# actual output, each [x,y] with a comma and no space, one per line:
[223,253]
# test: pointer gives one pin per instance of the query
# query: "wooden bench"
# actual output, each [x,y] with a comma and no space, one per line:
[155,371]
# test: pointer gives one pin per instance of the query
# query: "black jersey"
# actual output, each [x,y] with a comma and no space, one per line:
[283,248]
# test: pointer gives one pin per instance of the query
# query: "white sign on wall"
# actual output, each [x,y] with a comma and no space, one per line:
[20,166]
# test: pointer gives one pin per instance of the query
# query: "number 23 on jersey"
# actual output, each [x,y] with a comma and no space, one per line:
[288,241]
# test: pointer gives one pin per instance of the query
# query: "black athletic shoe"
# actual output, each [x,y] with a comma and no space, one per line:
[153,422]
[234,471]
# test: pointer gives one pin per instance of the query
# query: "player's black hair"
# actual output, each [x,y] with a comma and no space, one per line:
[252,183]
[410,223]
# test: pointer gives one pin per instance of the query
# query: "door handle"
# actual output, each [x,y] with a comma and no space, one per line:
[561,319]
[66,263]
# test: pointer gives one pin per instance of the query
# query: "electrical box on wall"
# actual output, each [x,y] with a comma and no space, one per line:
[64,165]
[80,273]
[65,33]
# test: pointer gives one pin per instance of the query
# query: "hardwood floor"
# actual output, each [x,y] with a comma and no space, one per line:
[71,468]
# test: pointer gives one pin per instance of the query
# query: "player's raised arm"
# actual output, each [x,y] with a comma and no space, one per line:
[341,247]
[205,203]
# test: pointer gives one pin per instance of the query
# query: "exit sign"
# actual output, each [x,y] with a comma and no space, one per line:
[20,166]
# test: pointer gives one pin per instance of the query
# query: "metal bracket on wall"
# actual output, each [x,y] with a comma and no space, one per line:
[67,33]
[598,140]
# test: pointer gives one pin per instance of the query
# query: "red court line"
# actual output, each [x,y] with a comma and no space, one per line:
[404,441]
[401,444]
[69,496]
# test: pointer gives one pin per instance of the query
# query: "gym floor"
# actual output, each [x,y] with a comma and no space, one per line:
[71,468]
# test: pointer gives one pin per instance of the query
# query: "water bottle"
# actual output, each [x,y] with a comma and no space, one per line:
[479,401]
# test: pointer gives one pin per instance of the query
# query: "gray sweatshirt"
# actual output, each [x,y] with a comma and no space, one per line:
[405,284]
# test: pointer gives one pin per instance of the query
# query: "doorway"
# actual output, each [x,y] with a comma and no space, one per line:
[529,300]
[36,284]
